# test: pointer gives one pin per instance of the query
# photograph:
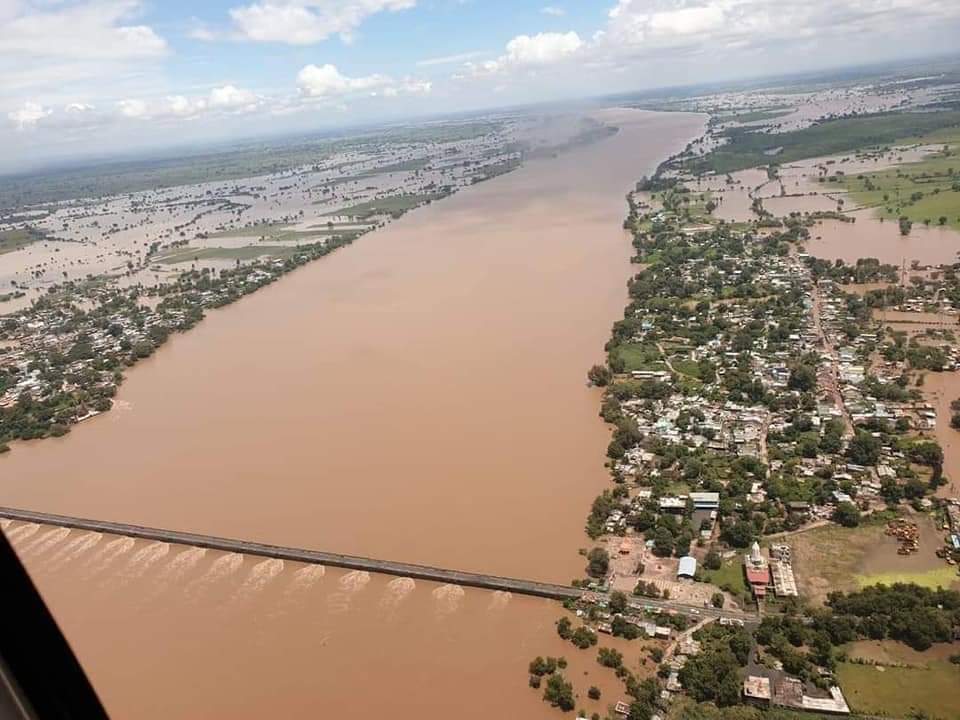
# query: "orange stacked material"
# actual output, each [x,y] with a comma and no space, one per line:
[906,533]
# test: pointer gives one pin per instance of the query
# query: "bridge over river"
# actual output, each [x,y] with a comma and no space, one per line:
[352,562]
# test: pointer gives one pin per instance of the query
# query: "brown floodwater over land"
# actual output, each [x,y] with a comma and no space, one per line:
[941,390]
[419,396]
[869,237]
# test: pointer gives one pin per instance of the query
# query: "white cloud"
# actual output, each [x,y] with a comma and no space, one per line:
[53,51]
[232,97]
[305,22]
[94,30]
[132,108]
[326,81]
[646,26]
[226,99]
[542,48]
[553,10]
[28,115]
[526,51]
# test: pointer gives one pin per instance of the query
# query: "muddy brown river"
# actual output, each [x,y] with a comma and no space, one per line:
[418,396]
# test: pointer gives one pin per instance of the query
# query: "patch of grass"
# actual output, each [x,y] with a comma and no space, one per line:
[923,191]
[13,240]
[829,557]
[689,368]
[899,692]
[729,577]
[640,356]
[250,252]
[941,577]
[402,166]
[747,148]
[757,115]
[395,205]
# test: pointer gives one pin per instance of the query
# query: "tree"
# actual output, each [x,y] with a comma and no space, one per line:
[905,224]
[738,534]
[608,657]
[564,628]
[598,562]
[599,375]
[712,561]
[717,600]
[713,675]
[802,378]
[559,692]
[539,667]
[593,693]
[662,542]
[864,449]
[847,514]
[583,637]
[618,602]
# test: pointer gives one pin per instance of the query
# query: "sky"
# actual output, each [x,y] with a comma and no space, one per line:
[105,77]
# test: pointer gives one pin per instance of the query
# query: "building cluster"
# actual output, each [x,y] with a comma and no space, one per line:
[775,573]
[791,693]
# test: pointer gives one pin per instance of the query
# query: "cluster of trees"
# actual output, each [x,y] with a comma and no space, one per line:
[648,589]
[799,647]
[865,270]
[909,613]
[863,448]
[714,674]
[598,562]
[581,637]
[847,514]
[608,657]
[558,691]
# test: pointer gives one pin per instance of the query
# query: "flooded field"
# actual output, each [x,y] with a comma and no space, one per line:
[941,389]
[419,396]
[868,237]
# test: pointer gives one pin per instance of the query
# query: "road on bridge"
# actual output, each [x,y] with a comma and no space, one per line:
[354,562]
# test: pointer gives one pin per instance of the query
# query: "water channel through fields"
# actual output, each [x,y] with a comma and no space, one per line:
[418,396]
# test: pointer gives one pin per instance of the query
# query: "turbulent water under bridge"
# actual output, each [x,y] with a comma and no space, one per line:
[352,562]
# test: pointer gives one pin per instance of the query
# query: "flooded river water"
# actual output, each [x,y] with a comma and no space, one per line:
[419,396]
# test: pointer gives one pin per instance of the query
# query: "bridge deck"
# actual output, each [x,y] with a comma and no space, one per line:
[353,562]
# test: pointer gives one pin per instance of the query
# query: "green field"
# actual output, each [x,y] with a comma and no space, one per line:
[770,113]
[394,205]
[894,192]
[900,692]
[640,356]
[282,232]
[729,577]
[690,368]
[403,166]
[13,240]
[941,577]
[250,252]
[746,148]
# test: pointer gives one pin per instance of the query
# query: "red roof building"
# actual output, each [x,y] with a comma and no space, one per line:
[757,571]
